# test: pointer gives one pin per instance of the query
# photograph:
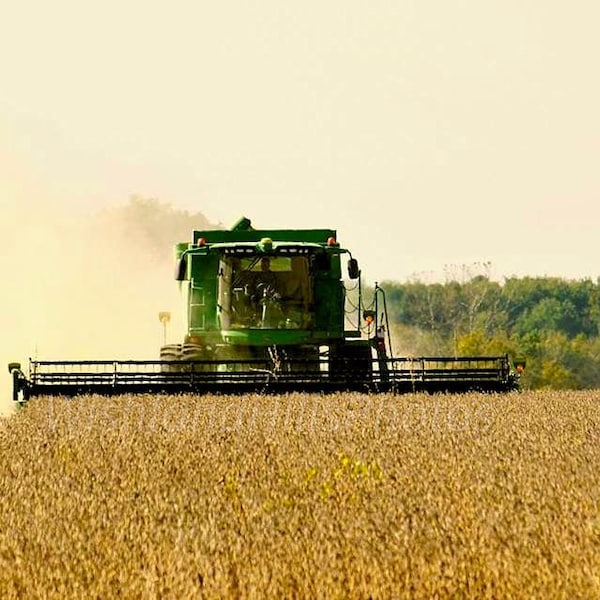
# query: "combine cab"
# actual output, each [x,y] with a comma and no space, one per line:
[266,311]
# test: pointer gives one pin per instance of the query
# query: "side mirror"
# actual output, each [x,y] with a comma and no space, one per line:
[353,270]
[181,269]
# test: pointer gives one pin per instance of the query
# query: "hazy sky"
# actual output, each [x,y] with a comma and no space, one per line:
[428,133]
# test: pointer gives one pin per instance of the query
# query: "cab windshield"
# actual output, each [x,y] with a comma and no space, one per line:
[265,292]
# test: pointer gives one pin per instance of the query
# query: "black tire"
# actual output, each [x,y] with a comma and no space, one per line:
[170,353]
[351,364]
[227,353]
[196,352]
[304,359]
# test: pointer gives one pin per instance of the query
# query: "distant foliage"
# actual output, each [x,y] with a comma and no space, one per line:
[157,226]
[551,322]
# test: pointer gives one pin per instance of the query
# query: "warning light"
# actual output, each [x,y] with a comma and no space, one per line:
[520,365]
[369,316]
[201,242]
[331,241]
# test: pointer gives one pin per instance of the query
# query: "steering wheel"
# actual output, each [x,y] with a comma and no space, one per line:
[267,291]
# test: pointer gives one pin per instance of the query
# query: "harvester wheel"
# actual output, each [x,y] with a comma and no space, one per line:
[196,352]
[351,364]
[229,357]
[301,359]
[170,353]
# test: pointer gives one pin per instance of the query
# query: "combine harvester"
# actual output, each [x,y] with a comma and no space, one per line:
[266,312]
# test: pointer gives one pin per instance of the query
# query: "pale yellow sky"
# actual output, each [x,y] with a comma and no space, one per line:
[428,133]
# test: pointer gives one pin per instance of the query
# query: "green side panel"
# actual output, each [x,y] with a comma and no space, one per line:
[197,307]
[202,304]
[317,236]
[329,290]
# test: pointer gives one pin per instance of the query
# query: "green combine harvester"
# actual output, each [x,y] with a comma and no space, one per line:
[267,312]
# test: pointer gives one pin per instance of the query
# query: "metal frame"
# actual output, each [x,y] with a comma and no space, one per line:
[396,375]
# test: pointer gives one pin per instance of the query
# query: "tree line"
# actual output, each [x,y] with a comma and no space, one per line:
[552,323]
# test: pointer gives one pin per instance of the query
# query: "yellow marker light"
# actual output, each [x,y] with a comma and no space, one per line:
[520,365]
[369,316]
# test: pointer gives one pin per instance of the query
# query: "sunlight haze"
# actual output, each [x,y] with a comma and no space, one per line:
[426,133]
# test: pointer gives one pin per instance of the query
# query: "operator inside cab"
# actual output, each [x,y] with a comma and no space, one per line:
[266,292]
[266,281]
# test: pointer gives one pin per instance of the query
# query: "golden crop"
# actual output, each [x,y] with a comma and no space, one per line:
[343,496]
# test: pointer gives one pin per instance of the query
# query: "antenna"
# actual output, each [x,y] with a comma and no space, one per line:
[164,317]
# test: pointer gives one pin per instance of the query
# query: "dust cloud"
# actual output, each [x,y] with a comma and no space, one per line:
[82,287]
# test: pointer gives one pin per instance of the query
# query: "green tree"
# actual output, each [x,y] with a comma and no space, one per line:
[479,343]
[552,322]
[552,304]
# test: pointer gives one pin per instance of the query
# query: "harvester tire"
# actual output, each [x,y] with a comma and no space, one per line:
[195,352]
[351,364]
[170,353]
[301,359]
